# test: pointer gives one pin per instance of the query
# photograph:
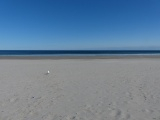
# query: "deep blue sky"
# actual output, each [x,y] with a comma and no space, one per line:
[79,24]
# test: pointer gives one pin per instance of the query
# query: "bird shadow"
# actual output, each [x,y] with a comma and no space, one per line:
[46,73]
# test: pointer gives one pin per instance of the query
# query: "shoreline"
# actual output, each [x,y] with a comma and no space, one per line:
[81,57]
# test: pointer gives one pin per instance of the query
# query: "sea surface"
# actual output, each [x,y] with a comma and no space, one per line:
[77,52]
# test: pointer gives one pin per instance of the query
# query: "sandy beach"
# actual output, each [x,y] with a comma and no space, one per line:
[80,89]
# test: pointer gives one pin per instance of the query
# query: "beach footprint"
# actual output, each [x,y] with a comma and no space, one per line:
[48,117]
[13,100]
[116,113]
[126,116]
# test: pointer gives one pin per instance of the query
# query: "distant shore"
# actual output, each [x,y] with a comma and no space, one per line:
[82,57]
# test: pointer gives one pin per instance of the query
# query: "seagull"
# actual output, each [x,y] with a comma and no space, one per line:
[48,72]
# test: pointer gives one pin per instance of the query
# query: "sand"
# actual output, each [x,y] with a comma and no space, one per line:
[80,89]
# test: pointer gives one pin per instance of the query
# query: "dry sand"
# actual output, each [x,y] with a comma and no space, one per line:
[90,89]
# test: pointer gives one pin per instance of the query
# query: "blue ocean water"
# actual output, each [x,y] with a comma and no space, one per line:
[76,52]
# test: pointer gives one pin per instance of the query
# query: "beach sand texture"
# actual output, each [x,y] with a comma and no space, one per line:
[98,89]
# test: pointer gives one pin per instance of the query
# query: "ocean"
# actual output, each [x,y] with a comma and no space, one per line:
[77,52]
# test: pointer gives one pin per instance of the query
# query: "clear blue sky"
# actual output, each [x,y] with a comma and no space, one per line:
[79,24]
